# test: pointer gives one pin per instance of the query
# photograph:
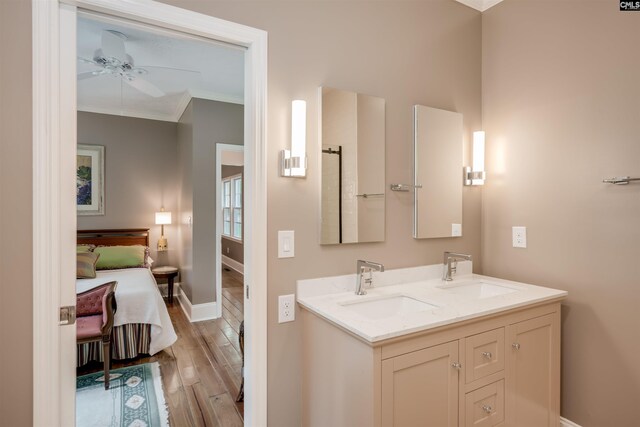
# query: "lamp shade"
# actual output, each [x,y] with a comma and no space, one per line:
[163,218]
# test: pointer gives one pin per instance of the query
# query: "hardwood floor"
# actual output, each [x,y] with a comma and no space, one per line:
[202,371]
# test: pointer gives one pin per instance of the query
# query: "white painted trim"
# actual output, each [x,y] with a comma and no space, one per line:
[215,96]
[480,5]
[124,113]
[566,423]
[233,264]
[51,159]
[182,105]
[218,260]
[46,214]
[175,117]
[195,312]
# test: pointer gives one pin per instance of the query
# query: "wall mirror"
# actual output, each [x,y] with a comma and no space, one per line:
[353,167]
[437,176]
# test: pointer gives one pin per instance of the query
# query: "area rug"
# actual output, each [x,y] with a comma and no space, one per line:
[134,398]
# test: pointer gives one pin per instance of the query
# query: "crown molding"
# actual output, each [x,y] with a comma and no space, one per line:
[480,5]
[175,117]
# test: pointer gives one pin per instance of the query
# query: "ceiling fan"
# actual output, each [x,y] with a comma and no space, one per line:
[113,60]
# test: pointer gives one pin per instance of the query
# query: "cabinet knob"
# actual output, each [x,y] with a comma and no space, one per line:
[486,408]
[456,365]
[487,354]
[516,345]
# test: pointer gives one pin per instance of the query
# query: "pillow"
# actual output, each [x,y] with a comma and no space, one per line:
[86,265]
[85,248]
[116,257]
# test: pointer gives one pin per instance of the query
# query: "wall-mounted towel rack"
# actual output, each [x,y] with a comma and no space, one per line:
[367,195]
[620,180]
[403,187]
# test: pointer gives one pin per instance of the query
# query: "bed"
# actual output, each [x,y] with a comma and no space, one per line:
[142,324]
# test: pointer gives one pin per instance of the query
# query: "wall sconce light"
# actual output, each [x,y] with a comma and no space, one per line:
[476,175]
[293,163]
[162,218]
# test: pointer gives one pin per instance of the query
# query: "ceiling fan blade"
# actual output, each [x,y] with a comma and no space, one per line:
[145,87]
[87,75]
[169,68]
[113,45]
[87,61]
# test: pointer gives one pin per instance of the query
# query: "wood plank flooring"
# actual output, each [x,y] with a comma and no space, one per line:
[202,371]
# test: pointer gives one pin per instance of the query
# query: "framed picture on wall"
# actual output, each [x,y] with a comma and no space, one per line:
[90,179]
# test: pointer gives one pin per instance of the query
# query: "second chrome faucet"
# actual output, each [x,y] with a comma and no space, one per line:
[451,264]
[364,267]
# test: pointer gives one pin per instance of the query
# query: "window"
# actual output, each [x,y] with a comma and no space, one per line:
[232,207]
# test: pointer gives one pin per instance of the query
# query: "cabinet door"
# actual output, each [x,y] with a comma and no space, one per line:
[533,372]
[421,388]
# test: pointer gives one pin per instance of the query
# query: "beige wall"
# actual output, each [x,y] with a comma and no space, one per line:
[140,176]
[410,52]
[16,361]
[561,108]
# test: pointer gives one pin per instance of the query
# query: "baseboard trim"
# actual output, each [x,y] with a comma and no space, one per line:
[233,264]
[194,312]
[566,423]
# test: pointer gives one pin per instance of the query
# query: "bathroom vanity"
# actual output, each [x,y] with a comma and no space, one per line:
[418,351]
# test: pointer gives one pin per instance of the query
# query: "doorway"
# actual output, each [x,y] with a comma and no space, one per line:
[54,149]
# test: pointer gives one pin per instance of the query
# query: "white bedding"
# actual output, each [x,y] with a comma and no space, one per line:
[139,301]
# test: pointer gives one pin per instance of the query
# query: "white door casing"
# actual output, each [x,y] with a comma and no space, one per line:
[54,223]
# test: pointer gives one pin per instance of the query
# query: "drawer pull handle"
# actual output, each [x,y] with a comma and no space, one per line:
[487,354]
[456,365]
[486,408]
[516,345]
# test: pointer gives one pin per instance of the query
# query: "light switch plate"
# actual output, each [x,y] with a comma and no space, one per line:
[286,244]
[519,237]
[456,230]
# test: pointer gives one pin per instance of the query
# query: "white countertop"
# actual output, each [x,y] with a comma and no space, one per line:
[332,298]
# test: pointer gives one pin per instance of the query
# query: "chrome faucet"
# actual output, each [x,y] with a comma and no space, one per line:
[451,264]
[367,266]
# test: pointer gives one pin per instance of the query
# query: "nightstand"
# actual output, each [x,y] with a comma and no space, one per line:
[169,273]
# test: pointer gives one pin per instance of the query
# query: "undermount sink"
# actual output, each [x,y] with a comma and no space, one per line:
[388,306]
[479,289]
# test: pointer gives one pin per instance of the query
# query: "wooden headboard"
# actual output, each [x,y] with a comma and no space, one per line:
[112,237]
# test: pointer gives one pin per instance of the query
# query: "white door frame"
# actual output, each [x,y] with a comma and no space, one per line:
[54,225]
[218,258]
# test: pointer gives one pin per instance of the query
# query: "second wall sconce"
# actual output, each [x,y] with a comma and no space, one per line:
[476,175]
[293,163]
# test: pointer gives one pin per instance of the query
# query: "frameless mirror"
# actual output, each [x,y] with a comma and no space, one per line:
[353,165]
[437,173]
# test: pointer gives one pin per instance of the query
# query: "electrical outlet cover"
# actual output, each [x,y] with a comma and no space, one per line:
[519,236]
[286,308]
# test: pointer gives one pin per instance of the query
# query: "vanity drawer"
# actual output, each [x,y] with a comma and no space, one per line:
[484,407]
[484,354]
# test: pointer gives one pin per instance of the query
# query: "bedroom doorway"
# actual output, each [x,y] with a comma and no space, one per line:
[54,150]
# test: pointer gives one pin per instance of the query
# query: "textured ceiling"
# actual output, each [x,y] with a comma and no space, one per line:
[216,71]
